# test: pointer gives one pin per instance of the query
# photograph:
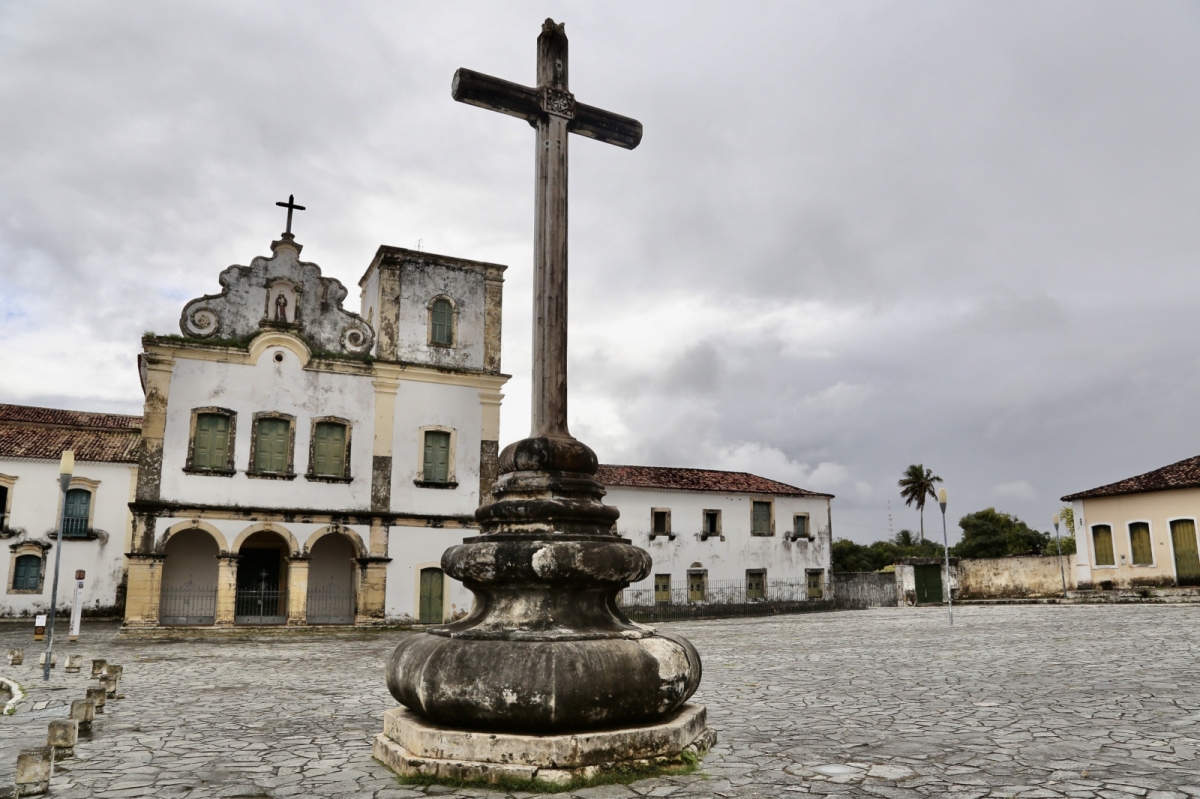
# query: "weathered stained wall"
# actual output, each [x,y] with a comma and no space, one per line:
[906,578]
[35,506]
[728,556]
[864,589]
[992,578]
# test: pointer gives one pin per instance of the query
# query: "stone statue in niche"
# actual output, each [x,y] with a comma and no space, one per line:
[281,305]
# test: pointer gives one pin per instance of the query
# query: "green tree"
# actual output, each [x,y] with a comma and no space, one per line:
[916,486]
[991,534]
[847,556]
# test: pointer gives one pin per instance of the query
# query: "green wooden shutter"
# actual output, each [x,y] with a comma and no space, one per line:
[271,448]
[801,526]
[430,610]
[25,575]
[329,449]
[1102,538]
[75,517]
[1139,539]
[211,449]
[442,322]
[1187,558]
[437,456]
[760,523]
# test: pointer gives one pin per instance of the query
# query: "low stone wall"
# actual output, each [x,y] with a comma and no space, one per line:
[864,589]
[1024,576]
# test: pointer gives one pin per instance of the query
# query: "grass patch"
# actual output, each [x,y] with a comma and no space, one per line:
[615,776]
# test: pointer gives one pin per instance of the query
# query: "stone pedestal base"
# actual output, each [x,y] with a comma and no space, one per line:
[412,746]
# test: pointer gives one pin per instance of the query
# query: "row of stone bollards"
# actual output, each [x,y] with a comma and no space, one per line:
[35,766]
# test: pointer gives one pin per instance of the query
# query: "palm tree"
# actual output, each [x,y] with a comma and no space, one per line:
[916,486]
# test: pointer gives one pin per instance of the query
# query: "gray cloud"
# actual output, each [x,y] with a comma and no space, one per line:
[856,236]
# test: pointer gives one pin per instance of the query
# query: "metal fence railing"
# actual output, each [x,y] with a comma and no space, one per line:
[330,604]
[261,604]
[717,599]
[188,604]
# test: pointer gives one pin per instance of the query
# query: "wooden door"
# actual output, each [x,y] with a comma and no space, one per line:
[430,611]
[814,585]
[1187,560]
[929,584]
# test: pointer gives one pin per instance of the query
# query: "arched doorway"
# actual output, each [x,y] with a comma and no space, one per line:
[189,579]
[331,589]
[262,580]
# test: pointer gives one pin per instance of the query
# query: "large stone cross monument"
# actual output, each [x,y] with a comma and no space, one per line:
[546,666]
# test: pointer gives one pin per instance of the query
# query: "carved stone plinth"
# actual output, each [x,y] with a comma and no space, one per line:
[413,746]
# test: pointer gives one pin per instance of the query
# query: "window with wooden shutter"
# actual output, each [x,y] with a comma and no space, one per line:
[271,445]
[437,456]
[756,584]
[329,449]
[3,507]
[1139,544]
[660,522]
[1102,539]
[76,512]
[210,450]
[712,522]
[800,526]
[27,573]
[441,323]
[662,588]
[760,518]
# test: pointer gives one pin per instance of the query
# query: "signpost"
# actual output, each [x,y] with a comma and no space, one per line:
[76,606]
[39,627]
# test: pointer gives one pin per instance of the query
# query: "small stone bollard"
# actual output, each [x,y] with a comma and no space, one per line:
[98,667]
[114,671]
[83,711]
[109,686]
[16,657]
[53,659]
[34,767]
[96,695]
[61,736]
[73,664]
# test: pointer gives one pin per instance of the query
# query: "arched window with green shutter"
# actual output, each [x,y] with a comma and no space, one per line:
[329,449]
[1139,544]
[1102,539]
[441,322]
[437,456]
[272,445]
[27,573]
[77,513]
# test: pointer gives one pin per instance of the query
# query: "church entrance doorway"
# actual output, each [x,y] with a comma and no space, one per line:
[331,589]
[262,580]
[189,579]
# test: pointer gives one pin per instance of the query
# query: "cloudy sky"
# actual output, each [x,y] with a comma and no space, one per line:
[857,235]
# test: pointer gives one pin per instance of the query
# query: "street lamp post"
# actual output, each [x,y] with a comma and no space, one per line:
[65,468]
[1061,568]
[946,545]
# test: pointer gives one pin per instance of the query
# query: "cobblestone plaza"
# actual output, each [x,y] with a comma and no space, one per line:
[1019,700]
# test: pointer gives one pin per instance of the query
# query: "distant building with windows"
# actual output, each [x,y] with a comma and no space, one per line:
[1141,531]
[297,463]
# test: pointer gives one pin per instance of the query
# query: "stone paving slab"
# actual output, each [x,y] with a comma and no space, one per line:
[1015,701]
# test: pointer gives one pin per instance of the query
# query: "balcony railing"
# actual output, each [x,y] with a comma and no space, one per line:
[75,527]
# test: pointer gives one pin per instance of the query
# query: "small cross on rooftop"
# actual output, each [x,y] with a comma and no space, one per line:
[290,205]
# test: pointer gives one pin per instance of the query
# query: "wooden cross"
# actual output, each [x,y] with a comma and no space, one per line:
[290,205]
[553,111]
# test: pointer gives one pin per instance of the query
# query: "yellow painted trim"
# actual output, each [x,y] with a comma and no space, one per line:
[278,529]
[335,529]
[274,338]
[193,524]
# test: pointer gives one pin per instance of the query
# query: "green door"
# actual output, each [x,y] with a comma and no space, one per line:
[929,584]
[431,596]
[1187,561]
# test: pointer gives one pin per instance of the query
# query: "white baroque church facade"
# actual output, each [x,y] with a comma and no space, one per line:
[298,463]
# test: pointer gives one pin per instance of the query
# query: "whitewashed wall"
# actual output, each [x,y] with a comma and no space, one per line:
[726,559]
[284,387]
[465,287]
[412,549]
[421,405]
[36,499]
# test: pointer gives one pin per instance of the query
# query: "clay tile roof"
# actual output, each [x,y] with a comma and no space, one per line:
[29,432]
[1184,474]
[697,480]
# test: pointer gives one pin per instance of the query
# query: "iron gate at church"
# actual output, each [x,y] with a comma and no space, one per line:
[188,604]
[330,604]
[261,601]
